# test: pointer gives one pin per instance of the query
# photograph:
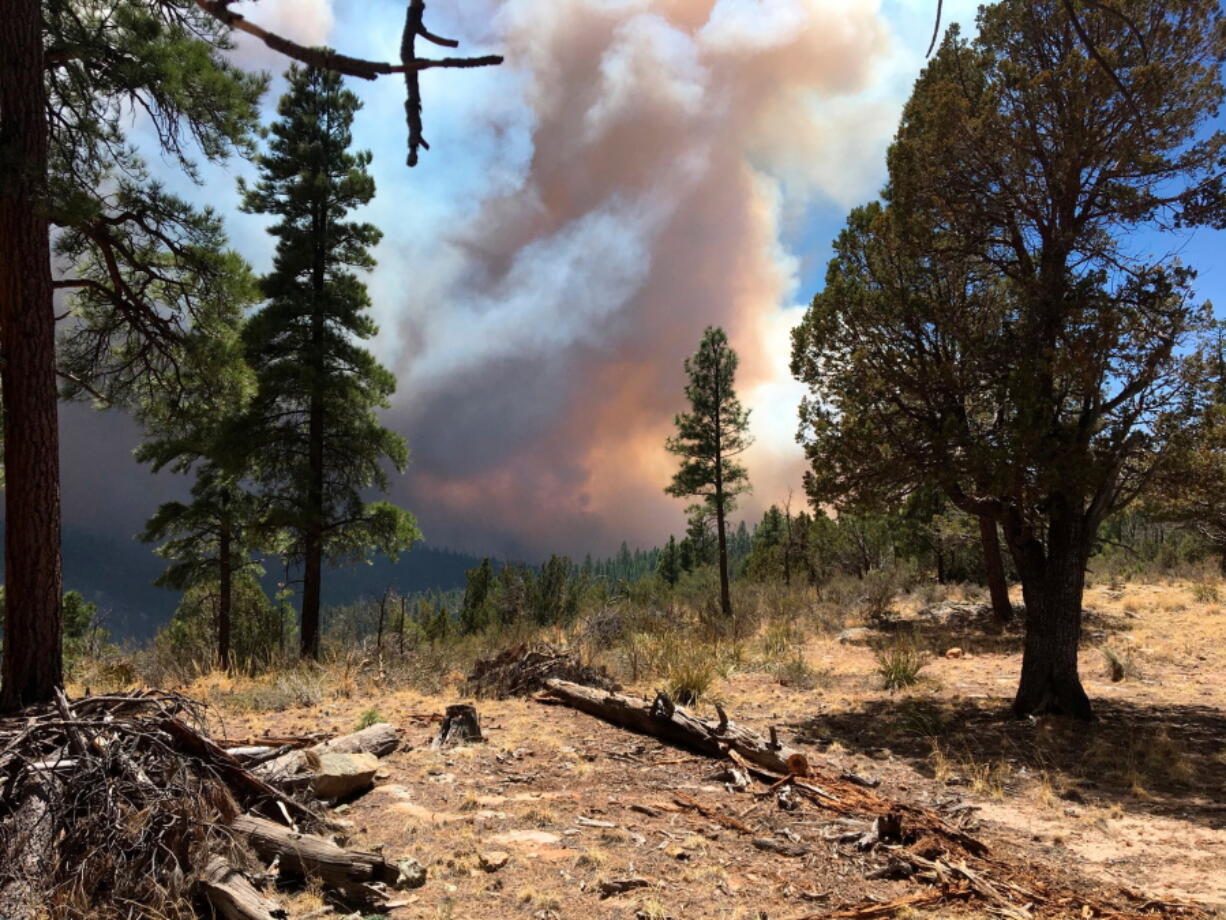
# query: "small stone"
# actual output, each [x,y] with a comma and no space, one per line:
[493,860]
[955,653]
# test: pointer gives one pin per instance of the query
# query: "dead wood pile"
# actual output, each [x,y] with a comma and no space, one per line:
[886,838]
[523,670]
[122,806]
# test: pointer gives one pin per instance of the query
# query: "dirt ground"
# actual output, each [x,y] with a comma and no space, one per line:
[1136,800]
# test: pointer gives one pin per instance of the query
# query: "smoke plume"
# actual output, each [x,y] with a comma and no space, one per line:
[672,147]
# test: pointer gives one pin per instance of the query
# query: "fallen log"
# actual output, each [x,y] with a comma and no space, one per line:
[724,738]
[662,719]
[232,895]
[351,872]
[380,740]
[252,791]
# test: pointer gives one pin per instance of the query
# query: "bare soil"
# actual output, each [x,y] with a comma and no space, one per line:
[1135,801]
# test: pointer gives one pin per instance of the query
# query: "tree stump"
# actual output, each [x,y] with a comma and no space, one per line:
[461,725]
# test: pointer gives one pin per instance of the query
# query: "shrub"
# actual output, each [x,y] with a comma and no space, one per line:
[877,594]
[689,679]
[370,717]
[797,674]
[1204,593]
[1120,666]
[900,665]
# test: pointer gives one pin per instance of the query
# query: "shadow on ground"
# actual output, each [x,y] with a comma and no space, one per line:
[973,628]
[1148,759]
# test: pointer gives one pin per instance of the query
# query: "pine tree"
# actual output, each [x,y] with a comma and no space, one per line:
[208,542]
[670,562]
[475,610]
[313,418]
[709,438]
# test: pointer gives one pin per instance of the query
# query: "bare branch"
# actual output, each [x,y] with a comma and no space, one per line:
[936,28]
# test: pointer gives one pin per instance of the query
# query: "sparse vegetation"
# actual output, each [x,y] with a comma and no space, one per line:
[899,665]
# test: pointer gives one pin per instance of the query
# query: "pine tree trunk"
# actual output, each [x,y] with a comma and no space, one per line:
[312,576]
[225,602]
[998,588]
[1052,585]
[32,654]
[725,595]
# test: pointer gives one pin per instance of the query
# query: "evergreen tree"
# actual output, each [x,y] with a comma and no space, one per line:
[990,327]
[685,555]
[475,610]
[71,76]
[208,542]
[670,562]
[313,418]
[709,438]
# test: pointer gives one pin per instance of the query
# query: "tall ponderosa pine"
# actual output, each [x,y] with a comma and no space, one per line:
[72,75]
[991,327]
[709,439]
[140,266]
[313,421]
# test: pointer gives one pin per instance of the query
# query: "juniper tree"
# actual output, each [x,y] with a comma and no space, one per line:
[988,328]
[709,439]
[313,420]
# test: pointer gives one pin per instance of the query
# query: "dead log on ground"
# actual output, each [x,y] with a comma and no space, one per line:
[252,791]
[769,757]
[232,895]
[663,719]
[351,872]
[380,740]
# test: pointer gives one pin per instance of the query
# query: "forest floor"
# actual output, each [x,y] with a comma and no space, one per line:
[1136,800]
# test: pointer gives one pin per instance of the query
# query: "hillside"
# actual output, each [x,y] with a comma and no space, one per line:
[118,576]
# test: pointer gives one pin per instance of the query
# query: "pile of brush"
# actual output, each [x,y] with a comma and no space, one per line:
[123,806]
[523,670]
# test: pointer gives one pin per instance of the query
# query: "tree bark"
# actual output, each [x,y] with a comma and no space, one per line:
[998,588]
[32,648]
[349,871]
[1053,579]
[725,594]
[662,719]
[232,895]
[225,601]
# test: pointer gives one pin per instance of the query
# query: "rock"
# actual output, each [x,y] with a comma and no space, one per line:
[493,860]
[857,635]
[339,776]
[955,653]
[412,874]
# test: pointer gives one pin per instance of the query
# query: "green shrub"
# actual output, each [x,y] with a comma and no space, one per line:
[900,665]
[370,717]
